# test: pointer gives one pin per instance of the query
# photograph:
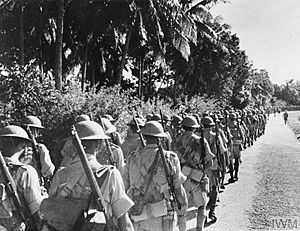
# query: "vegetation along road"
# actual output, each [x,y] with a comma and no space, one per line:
[266,197]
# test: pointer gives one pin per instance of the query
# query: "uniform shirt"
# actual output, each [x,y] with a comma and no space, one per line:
[71,181]
[104,157]
[47,167]
[184,144]
[137,172]
[236,132]
[27,184]
[131,144]
[211,138]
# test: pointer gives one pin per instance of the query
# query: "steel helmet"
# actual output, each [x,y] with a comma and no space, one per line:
[166,118]
[190,121]
[90,130]
[156,117]
[32,121]
[81,118]
[108,126]
[139,121]
[153,128]
[109,117]
[232,116]
[14,131]
[207,121]
[176,120]
[148,117]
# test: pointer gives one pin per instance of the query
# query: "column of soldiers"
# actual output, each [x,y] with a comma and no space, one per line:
[145,182]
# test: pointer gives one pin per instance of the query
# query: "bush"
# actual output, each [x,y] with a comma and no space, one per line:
[23,94]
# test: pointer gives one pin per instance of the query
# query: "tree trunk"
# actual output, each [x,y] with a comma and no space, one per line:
[21,33]
[84,66]
[141,70]
[59,44]
[125,51]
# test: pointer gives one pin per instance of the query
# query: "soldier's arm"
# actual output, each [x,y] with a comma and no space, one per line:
[208,159]
[178,179]
[46,163]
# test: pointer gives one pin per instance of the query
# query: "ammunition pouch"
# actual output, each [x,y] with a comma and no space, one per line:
[152,210]
[137,209]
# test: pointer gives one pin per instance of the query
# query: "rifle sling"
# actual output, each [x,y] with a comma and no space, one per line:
[151,171]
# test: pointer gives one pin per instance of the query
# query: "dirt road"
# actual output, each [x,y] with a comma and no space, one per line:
[267,195]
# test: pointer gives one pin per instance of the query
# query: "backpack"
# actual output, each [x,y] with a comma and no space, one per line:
[79,215]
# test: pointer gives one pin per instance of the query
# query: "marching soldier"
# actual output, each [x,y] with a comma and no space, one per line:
[115,136]
[238,138]
[116,156]
[195,156]
[132,140]
[34,126]
[70,186]
[147,182]
[69,151]
[217,148]
[13,142]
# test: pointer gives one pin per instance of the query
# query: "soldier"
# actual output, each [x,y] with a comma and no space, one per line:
[217,148]
[104,156]
[195,156]
[14,139]
[146,181]
[70,183]
[69,151]
[132,140]
[34,126]
[115,136]
[175,127]
[238,138]
[223,156]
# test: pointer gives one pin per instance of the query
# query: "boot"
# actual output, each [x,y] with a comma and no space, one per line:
[236,177]
[212,216]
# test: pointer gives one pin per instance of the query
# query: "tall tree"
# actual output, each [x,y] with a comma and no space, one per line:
[59,44]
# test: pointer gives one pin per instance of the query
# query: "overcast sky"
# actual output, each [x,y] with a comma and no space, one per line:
[269,32]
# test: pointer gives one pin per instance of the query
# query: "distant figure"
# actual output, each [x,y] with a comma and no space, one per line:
[285,116]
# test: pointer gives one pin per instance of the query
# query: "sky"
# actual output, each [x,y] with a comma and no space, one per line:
[269,32]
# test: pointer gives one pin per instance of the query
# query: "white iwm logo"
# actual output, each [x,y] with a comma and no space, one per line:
[284,223]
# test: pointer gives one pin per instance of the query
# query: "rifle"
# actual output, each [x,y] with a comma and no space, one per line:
[111,156]
[170,181]
[139,132]
[36,155]
[98,196]
[203,151]
[11,188]
[164,127]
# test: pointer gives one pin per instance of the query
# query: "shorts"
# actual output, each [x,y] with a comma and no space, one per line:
[214,177]
[194,192]
[237,151]
[155,224]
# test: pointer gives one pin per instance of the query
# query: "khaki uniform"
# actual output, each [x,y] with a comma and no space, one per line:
[157,207]
[132,143]
[196,185]
[104,157]
[27,183]
[213,171]
[238,137]
[71,182]
[47,167]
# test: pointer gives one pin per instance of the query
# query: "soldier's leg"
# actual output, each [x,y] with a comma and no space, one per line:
[236,167]
[230,167]
[168,223]
[200,218]
[181,223]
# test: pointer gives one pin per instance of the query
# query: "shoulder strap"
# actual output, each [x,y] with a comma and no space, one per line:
[151,171]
